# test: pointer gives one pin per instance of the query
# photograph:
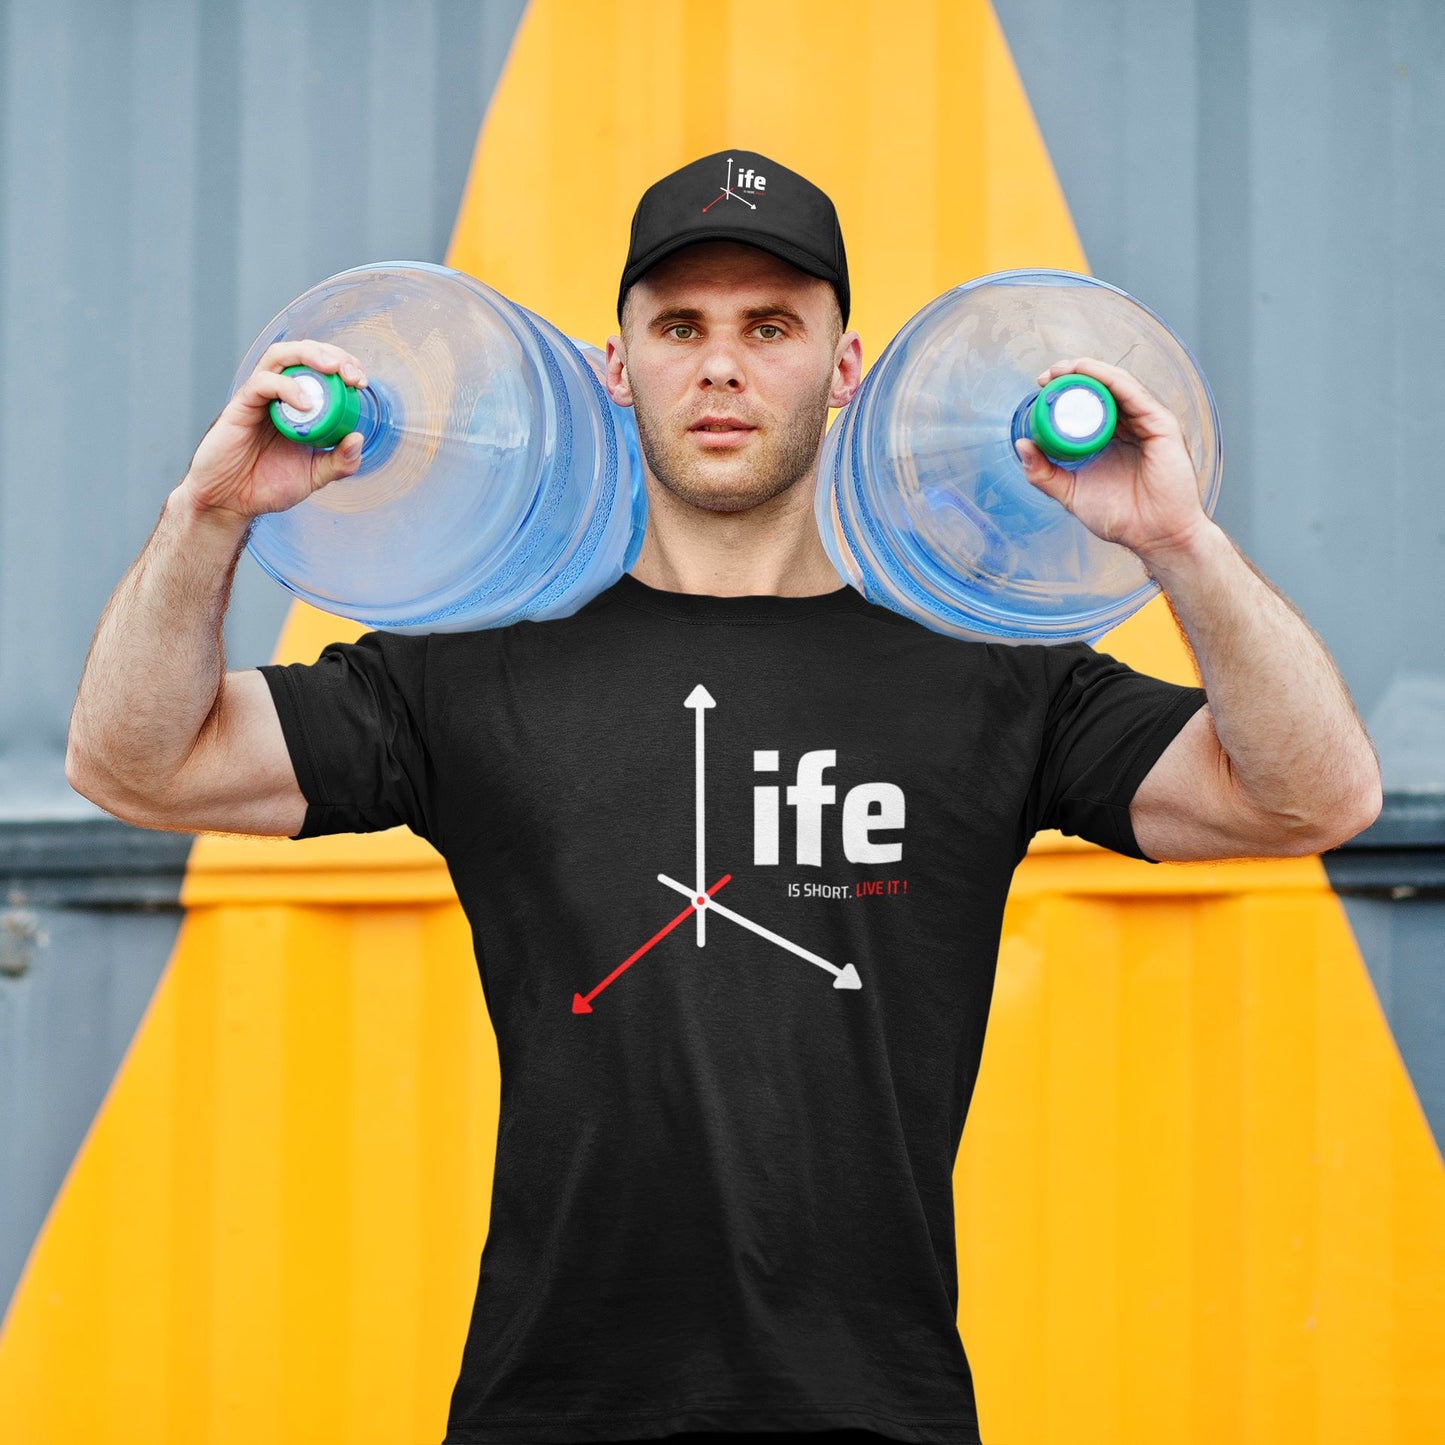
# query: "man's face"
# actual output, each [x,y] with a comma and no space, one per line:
[731,359]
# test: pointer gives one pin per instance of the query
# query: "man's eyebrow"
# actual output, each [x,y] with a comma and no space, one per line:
[676,313]
[776,308]
[670,315]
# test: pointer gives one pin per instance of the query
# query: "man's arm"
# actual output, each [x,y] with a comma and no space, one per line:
[160,734]
[1278,761]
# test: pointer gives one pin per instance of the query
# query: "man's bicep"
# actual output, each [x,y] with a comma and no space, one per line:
[1189,808]
[239,778]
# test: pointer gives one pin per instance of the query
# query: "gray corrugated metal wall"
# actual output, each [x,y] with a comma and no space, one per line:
[1265,174]
[172,173]
[1262,173]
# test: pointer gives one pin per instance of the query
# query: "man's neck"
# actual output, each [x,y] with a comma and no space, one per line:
[736,554]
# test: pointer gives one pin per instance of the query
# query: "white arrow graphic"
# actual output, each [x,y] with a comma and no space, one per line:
[845,977]
[727,193]
[699,700]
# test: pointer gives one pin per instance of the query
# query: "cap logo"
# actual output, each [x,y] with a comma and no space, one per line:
[748,180]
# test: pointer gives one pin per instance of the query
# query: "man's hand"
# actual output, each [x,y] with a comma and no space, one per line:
[1142,490]
[161,735]
[244,466]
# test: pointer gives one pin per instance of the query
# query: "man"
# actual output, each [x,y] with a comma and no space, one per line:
[734,842]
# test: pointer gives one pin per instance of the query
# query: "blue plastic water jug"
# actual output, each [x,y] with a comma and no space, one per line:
[498,481]
[922,502]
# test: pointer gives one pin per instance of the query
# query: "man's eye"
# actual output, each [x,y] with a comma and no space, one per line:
[682,331]
[769,332]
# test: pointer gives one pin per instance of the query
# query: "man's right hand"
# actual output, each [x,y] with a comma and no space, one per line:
[161,735]
[244,466]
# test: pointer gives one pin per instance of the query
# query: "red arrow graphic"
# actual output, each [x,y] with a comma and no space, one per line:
[582,1003]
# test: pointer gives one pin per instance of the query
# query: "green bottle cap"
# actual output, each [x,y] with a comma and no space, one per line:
[1073,418]
[334,411]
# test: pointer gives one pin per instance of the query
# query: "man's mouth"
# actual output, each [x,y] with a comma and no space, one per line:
[721,433]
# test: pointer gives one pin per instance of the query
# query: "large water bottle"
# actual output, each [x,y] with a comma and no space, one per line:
[498,481]
[922,502]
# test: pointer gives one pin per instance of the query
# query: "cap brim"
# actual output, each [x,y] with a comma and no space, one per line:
[793,255]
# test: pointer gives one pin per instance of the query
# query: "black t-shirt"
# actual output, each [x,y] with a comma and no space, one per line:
[723,1187]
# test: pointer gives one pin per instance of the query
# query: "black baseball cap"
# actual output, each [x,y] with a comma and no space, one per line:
[742,196]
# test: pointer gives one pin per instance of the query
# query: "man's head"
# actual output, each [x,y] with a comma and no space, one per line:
[732,346]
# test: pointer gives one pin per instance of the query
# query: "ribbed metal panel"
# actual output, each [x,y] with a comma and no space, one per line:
[88,917]
[1262,173]
[272,1233]
[172,173]
[1253,170]
[1197,1199]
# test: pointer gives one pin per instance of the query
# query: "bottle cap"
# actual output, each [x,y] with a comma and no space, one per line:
[1073,418]
[334,411]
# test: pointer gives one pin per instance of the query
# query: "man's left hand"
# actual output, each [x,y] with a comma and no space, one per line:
[1141,490]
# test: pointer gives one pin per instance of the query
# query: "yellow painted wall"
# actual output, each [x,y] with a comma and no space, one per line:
[1197,1200]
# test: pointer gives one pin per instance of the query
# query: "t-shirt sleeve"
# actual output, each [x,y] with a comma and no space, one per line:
[1105,727]
[355,725]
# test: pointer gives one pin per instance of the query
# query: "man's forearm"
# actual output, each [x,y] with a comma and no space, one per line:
[156,661]
[1296,746]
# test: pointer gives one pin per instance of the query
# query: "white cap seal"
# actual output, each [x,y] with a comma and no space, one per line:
[316,401]
[1078,412]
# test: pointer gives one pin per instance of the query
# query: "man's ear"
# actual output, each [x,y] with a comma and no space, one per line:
[847,369]
[619,388]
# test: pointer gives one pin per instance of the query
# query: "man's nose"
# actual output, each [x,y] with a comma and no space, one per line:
[721,367]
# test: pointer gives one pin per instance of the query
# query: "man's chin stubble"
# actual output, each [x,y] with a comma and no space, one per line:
[697,492]
[693,485]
